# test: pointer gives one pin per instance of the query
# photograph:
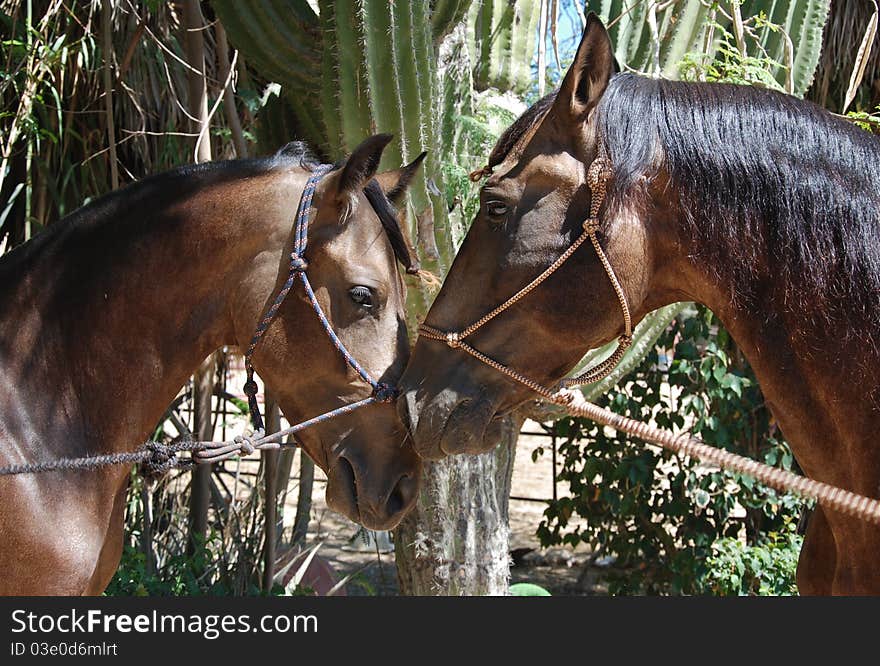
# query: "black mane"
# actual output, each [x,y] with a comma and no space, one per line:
[300,152]
[387,215]
[762,177]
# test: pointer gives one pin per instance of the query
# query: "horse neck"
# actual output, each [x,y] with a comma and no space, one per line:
[118,313]
[821,387]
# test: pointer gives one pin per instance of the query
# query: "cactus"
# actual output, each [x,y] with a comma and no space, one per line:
[353,68]
[503,34]
[804,23]
[656,40]
[446,15]
[280,37]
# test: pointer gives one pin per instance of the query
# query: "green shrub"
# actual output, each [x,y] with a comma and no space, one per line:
[735,568]
[176,577]
[658,516]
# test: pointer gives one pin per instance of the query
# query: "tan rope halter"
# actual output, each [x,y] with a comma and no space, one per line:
[597,176]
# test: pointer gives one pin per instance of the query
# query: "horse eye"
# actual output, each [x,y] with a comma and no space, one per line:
[361,295]
[496,208]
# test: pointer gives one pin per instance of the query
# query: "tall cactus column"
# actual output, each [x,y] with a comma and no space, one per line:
[502,41]
[654,37]
[376,68]
[456,540]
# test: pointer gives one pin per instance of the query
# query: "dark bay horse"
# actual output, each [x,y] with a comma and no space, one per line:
[761,206]
[105,314]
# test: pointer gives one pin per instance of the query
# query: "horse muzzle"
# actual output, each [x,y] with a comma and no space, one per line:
[376,498]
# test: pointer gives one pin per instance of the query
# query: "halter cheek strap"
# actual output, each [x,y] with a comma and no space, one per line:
[598,175]
[381,392]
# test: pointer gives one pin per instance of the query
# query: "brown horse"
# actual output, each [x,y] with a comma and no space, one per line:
[105,314]
[759,205]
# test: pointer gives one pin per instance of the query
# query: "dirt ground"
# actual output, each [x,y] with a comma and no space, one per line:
[349,551]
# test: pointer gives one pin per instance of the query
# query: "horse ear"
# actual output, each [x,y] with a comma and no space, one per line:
[587,77]
[362,164]
[394,183]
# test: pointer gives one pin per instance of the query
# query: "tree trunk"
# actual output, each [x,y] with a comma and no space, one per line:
[282,475]
[203,429]
[232,119]
[303,501]
[270,477]
[197,87]
[456,540]
[203,380]
[107,36]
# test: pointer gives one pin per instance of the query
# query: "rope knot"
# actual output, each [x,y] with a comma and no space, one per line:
[250,387]
[246,443]
[453,339]
[298,264]
[599,171]
[384,392]
[563,397]
[592,225]
[479,174]
[162,459]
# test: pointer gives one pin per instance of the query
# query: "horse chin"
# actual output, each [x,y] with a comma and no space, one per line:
[500,427]
[470,428]
[495,432]
[490,434]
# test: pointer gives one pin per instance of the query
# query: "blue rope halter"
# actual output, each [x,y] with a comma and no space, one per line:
[381,392]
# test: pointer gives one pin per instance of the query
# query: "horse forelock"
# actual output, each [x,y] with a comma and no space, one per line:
[390,222]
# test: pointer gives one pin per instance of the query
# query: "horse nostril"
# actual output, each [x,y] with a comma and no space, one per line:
[402,495]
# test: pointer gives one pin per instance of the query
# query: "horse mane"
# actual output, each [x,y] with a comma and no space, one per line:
[761,178]
[387,215]
[300,153]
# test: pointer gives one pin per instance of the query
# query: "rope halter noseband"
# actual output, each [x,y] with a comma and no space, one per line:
[598,175]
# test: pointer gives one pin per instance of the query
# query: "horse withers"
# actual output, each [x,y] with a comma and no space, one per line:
[764,207]
[104,315]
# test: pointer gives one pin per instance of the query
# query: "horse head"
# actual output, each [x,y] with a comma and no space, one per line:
[534,205]
[354,242]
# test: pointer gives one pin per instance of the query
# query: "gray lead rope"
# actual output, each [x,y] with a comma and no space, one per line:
[155,459]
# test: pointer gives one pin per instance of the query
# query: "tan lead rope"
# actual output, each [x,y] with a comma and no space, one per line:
[831,497]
